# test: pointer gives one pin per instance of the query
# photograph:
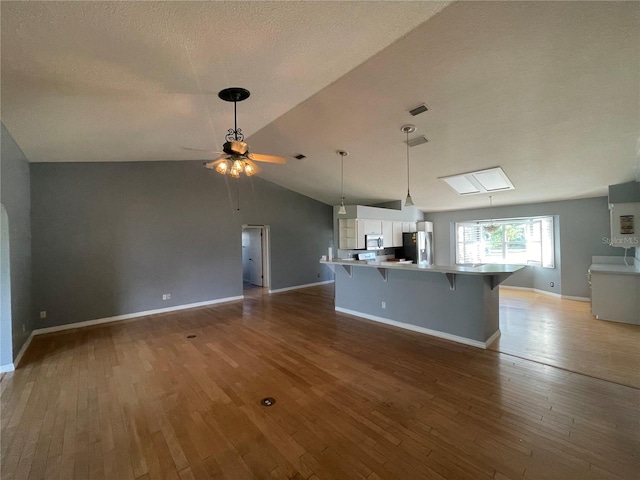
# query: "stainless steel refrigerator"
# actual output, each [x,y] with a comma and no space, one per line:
[418,247]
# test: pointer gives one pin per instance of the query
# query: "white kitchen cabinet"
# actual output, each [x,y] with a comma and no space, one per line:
[397,234]
[408,227]
[372,227]
[353,232]
[387,233]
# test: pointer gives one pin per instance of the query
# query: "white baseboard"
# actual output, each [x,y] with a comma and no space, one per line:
[296,287]
[9,367]
[427,331]
[579,299]
[544,292]
[118,318]
[23,349]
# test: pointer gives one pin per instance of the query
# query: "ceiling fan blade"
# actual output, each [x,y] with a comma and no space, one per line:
[201,150]
[259,157]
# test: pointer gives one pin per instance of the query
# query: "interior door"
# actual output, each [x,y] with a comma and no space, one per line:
[255,256]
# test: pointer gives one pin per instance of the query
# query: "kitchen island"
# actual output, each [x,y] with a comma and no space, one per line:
[459,303]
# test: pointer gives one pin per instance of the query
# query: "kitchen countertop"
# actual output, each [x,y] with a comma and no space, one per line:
[484,269]
[615,268]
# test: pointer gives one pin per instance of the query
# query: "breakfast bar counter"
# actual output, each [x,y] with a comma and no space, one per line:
[459,303]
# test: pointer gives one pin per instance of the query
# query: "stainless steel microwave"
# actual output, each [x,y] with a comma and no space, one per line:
[374,242]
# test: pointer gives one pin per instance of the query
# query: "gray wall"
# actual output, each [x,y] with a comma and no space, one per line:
[14,196]
[581,226]
[111,238]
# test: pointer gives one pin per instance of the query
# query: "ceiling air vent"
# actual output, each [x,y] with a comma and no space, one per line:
[483,181]
[300,156]
[418,110]
[414,142]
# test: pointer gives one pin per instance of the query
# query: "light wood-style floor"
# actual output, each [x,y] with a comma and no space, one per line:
[563,333]
[354,400]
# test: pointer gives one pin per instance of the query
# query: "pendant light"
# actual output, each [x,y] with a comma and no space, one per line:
[342,210]
[492,227]
[408,129]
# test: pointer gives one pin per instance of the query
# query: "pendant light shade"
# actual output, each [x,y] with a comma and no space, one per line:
[407,129]
[342,210]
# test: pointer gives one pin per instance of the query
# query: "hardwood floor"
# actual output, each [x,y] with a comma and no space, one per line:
[354,400]
[563,333]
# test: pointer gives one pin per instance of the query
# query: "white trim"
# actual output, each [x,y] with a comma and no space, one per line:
[9,367]
[492,338]
[117,318]
[579,299]
[544,292]
[427,331]
[296,287]
[23,349]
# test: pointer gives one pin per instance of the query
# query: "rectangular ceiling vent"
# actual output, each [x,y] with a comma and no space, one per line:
[483,181]
[300,156]
[414,142]
[418,110]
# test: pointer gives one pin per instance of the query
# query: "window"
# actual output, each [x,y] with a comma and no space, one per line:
[519,241]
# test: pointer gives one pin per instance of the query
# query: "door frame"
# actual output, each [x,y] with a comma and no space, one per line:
[266,252]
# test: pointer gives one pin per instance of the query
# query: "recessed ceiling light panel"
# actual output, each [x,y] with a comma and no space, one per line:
[483,181]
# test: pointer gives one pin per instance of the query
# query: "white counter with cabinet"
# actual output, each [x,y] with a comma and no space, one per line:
[615,291]
[459,303]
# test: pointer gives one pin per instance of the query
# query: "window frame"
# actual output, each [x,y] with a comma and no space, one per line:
[539,232]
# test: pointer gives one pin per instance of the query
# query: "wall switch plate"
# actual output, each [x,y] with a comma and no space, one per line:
[166,296]
[384,304]
[43,314]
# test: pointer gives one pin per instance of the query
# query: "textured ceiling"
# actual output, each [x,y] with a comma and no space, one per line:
[547,90]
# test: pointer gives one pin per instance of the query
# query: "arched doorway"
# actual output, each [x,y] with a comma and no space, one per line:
[6,343]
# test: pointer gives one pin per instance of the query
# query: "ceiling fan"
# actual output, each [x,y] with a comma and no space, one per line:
[235,157]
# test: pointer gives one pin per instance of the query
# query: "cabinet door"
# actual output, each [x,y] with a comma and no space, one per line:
[387,234]
[372,227]
[397,234]
[408,227]
[360,229]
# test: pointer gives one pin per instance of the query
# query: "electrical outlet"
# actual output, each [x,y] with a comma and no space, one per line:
[166,296]
[551,284]
[24,329]
[318,275]
[43,314]
[384,304]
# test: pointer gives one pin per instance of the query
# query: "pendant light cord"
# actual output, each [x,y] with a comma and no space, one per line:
[407,162]
[342,179]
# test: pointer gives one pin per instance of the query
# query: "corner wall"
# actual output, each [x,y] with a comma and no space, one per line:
[15,197]
[110,239]
[581,228]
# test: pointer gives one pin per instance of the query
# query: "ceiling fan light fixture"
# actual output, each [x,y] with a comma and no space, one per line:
[236,157]
[222,167]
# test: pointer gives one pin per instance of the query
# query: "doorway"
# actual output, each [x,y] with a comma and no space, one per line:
[255,256]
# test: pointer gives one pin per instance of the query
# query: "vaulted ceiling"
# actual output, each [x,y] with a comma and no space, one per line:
[550,91]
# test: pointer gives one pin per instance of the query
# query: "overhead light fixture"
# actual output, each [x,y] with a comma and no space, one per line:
[492,227]
[342,210]
[407,129]
[235,157]
[481,181]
